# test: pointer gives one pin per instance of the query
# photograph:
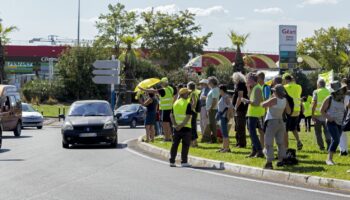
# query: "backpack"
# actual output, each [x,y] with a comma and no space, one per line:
[291,158]
[198,106]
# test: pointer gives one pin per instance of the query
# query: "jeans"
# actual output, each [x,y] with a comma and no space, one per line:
[183,135]
[335,131]
[224,126]
[252,126]
[318,133]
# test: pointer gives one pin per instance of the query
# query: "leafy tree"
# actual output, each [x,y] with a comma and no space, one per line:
[239,41]
[4,39]
[328,46]
[129,60]
[170,38]
[112,26]
[75,73]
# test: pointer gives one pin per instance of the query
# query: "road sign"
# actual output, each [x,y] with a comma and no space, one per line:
[106,79]
[105,72]
[106,64]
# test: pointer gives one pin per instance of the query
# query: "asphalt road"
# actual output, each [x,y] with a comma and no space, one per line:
[35,166]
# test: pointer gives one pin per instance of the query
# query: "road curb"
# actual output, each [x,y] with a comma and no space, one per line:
[280,176]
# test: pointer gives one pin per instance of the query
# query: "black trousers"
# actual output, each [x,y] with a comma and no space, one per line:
[185,136]
[194,126]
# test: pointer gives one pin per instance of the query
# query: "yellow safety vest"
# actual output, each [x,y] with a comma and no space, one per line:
[179,111]
[307,109]
[321,94]
[196,94]
[166,102]
[294,90]
[255,111]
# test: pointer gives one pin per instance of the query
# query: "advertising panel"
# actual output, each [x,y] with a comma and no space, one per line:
[287,46]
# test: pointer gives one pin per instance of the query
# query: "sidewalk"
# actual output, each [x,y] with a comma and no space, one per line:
[279,176]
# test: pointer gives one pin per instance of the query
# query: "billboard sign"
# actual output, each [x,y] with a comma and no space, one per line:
[287,46]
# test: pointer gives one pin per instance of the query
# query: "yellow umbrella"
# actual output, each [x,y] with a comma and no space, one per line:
[147,83]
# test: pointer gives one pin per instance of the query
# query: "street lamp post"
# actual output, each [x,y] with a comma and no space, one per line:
[78,38]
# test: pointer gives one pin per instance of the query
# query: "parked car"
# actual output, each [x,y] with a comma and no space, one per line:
[31,117]
[11,109]
[131,115]
[89,122]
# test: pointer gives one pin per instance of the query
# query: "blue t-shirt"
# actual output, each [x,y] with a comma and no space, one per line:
[204,92]
[213,94]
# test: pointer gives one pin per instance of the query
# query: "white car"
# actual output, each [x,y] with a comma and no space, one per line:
[31,117]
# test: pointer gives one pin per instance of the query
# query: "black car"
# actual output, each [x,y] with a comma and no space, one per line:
[131,115]
[90,122]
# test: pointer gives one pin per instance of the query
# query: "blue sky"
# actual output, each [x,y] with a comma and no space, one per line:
[260,18]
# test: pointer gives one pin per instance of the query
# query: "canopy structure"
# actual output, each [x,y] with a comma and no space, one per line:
[197,61]
[269,62]
[312,62]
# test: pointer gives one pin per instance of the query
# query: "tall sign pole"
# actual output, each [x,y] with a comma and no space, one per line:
[287,47]
[78,38]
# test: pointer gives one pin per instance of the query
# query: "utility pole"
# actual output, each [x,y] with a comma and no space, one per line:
[2,62]
[78,38]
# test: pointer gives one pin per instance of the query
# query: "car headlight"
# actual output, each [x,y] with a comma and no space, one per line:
[108,125]
[67,126]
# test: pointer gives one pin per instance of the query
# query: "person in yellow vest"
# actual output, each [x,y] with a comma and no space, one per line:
[194,100]
[165,105]
[319,96]
[266,91]
[181,120]
[255,113]
[294,91]
[307,111]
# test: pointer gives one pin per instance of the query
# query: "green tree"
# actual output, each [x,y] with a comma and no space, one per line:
[112,26]
[170,38]
[129,60]
[4,39]
[327,46]
[238,40]
[75,73]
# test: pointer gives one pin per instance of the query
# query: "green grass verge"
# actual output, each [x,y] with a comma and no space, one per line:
[311,159]
[51,110]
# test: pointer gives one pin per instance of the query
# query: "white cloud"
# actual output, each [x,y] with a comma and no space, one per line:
[240,18]
[318,2]
[208,11]
[172,8]
[90,20]
[273,10]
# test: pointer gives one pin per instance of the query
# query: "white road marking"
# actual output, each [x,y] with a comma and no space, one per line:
[237,177]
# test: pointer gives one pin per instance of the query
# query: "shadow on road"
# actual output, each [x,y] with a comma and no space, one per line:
[11,160]
[98,146]
[4,150]
[14,137]
[127,127]
[208,168]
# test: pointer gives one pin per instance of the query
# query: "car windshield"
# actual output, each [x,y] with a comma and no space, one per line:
[128,108]
[90,109]
[27,108]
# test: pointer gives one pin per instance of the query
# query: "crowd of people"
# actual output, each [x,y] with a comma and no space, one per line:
[268,111]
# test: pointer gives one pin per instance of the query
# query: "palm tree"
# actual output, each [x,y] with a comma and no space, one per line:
[239,41]
[129,59]
[4,39]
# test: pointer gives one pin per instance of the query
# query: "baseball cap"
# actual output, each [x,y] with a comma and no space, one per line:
[204,81]
[184,91]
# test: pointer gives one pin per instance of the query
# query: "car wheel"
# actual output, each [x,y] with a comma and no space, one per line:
[39,127]
[133,123]
[18,130]
[114,144]
[65,145]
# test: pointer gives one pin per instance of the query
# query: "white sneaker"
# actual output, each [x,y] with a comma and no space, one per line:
[185,165]
[330,162]
[172,165]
